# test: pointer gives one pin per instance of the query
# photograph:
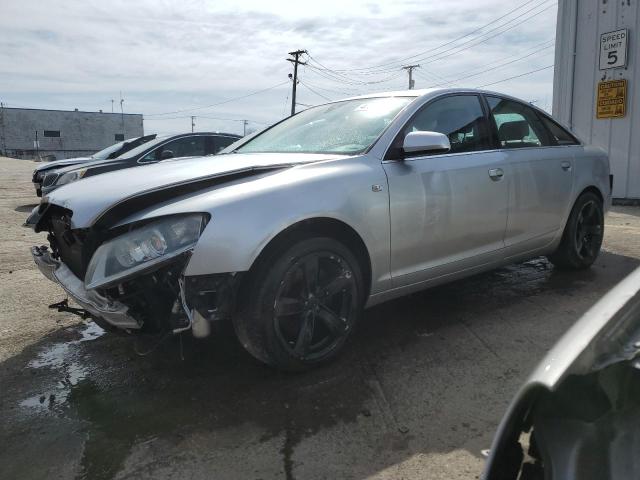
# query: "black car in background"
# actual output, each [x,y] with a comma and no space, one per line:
[161,148]
[112,151]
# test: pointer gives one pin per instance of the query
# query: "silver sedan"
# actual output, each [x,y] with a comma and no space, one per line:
[292,232]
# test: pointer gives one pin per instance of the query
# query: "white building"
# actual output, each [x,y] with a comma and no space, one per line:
[30,133]
[597,53]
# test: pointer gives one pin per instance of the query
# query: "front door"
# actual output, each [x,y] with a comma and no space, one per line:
[447,211]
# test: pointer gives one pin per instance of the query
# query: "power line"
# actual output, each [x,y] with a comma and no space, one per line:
[348,81]
[338,77]
[546,44]
[219,103]
[329,90]
[205,117]
[441,55]
[495,67]
[515,76]
[477,41]
[317,93]
[405,59]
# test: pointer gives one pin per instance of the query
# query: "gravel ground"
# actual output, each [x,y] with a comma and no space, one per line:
[418,394]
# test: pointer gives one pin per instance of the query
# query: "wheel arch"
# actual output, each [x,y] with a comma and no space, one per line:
[592,189]
[588,188]
[325,227]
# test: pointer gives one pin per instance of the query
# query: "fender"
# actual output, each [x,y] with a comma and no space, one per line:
[247,213]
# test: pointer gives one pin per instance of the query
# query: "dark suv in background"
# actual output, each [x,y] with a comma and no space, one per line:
[112,151]
[164,147]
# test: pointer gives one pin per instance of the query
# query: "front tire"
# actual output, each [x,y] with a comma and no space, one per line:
[301,304]
[582,236]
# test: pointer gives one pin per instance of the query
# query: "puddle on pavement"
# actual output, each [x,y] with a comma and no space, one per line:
[59,356]
[121,403]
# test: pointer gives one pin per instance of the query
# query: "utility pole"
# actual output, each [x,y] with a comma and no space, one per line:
[296,61]
[409,69]
[122,112]
[36,145]
[193,122]
[112,105]
[3,151]
[244,127]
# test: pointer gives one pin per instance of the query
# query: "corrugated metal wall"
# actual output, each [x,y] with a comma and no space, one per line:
[80,132]
[580,23]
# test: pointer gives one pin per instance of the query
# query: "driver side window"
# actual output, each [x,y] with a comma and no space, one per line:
[459,117]
[181,147]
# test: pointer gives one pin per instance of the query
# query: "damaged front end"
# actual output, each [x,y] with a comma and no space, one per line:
[131,277]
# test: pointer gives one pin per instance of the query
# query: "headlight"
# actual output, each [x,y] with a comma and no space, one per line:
[143,248]
[72,176]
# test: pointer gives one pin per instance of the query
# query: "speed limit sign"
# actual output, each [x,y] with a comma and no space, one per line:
[613,49]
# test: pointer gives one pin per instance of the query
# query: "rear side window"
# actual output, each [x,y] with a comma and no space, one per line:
[460,117]
[220,143]
[518,125]
[561,136]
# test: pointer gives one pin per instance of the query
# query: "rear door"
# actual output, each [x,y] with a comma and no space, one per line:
[447,211]
[540,176]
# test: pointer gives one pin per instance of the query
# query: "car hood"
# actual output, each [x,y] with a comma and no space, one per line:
[62,163]
[89,163]
[609,333]
[91,197]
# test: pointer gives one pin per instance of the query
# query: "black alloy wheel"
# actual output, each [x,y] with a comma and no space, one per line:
[300,304]
[589,230]
[582,236]
[314,306]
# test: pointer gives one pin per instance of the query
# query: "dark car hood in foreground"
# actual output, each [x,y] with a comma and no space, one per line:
[581,405]
[62,163]
[91,197]
[92,164]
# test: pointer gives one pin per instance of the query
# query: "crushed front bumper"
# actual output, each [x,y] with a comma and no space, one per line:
[112,312]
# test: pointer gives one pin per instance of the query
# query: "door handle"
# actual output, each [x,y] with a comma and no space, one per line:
[496,173]
[566,166]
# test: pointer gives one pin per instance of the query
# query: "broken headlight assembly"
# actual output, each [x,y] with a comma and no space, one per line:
[142,248]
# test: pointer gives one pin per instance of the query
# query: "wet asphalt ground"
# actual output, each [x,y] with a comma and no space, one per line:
[418,393]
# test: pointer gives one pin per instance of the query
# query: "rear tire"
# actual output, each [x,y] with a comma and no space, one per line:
[582,236]
[300,304]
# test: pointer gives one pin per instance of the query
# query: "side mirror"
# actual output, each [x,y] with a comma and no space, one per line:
[166,155]
[425,142]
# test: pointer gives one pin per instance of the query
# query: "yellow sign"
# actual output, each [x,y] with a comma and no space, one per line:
[612,99]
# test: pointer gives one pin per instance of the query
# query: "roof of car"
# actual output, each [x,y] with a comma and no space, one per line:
[426,91]
[434,91]
[219,134]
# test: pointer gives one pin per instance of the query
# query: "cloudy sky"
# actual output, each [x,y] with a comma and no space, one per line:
[172,58]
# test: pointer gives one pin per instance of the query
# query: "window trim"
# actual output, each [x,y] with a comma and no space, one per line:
[544,117]
[549,138]
[386,158]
